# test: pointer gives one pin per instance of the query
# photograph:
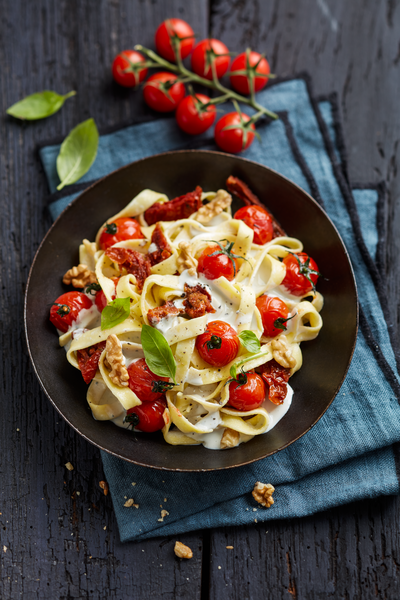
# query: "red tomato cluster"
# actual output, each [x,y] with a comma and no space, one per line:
[210,59]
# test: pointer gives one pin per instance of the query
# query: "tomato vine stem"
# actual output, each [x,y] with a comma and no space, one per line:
[157,61]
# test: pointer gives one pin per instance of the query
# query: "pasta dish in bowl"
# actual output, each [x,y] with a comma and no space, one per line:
[185,314]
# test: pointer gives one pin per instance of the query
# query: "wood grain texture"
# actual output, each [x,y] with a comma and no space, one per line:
[59,537]
[53,542]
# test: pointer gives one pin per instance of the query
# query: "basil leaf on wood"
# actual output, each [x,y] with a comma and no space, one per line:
[39,105]
[158,354]
[77,153]
[250,341]
[114,313]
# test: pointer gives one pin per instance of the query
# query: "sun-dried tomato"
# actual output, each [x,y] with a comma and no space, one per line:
[178,208]
[241,190]
[276,377]
[198,301]
[88,360]
[163,248]
[134,262]
[161,312]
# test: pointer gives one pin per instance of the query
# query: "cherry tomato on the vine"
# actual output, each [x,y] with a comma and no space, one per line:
[162,91]
[206,52]
[234,139]
[247,392]
[66,309]
[147,386]
[167,30]
[217,261]
[301,273]
[126,68]
[193,116]
[274,314]
[150,416]
[219,344]
[259,220]
[240,82]
[124,228]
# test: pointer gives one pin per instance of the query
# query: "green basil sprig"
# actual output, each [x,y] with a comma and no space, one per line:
[77,153]
[250,341]
[39,105]
[114,313]
[158,354]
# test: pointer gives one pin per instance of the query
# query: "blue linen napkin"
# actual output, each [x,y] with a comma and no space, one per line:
[351,453]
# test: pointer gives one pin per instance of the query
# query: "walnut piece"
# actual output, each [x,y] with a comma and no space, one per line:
[230,438]
[207,212]
[262,493]
[115,359]
[186,260]
[104,487]
[182,551]
[79,276]
[164,513]
[130,503]
[282,352]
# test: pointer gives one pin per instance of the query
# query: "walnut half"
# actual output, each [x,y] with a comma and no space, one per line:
[79,276]
[182,551]
[115,359]
[262,493]
[186,260]
[230,438]
[207,212]
[282,352]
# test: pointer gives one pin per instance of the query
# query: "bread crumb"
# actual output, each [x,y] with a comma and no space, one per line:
[4,548]
[219,567]
[164,513]
[229,547]
[69,466]
[133,482]
[105,527]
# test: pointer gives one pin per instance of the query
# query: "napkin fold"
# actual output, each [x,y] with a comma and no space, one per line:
[352,452]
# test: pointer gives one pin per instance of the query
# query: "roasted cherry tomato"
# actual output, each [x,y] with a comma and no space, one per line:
[171,28]
[193,116]
[217,261]
[125,228]
[147,386]
[88,360]
[259,220]
[274,314]
[301,274]
[256,64]
[162,91]
[275,377]
[247,392]
[127,70]
[234,139]
[100,298]
[150,416]
[208,51]
[219,344]
[66,309]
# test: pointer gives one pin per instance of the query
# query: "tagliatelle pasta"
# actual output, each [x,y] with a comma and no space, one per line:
[159,276]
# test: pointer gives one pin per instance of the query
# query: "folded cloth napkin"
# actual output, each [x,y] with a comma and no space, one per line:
[351,453]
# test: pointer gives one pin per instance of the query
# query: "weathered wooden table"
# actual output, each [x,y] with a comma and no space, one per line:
[59,537]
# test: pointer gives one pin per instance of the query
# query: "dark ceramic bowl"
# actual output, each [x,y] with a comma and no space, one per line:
[326,359]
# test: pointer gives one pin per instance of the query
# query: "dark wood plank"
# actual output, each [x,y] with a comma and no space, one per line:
[351,48]
[59,537]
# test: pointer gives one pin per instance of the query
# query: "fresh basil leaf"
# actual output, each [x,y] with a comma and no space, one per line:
[39,105]
[77,153]
[114,313]
[158,354]
[250,341]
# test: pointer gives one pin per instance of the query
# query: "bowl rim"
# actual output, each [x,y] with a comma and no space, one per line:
[100,181]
